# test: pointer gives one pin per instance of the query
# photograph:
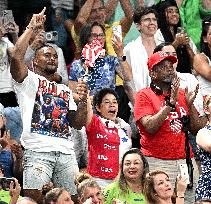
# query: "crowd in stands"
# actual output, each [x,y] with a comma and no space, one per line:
[105,101]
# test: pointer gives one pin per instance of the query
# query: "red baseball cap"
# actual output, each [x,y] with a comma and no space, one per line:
[158,57]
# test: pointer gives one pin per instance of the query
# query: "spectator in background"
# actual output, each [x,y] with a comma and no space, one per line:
[61,10]
[7,94]
[108,137]
[4,5]
[47,109]
[192,12]
[97,11]
[128,187]
[158,188]
[9,194]
[158,111]
[170,31]
[11,153]
[202,63]
[203,191]
[205,43]
[88,189]
[138,51]
[102,75]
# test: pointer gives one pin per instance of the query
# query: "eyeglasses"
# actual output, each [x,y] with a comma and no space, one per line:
[149,20]
[99,36]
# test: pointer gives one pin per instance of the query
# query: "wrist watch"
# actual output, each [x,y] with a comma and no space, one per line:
[122,58]
[168,103]
[172,106]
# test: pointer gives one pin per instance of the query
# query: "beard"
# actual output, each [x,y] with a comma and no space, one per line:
[50,69]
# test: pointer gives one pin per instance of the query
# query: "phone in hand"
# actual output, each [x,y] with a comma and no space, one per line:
[117,31]
[184,172]
[5,183]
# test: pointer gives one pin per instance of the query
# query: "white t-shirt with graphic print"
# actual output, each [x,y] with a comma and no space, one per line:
[44,106]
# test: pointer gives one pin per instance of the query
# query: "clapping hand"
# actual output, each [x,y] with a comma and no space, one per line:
[174,90]
[190,96]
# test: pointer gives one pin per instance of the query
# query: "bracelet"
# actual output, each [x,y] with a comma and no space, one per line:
[29,27]
[168,103]
[180,197]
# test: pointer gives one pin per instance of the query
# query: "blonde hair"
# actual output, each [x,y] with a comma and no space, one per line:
[84,181]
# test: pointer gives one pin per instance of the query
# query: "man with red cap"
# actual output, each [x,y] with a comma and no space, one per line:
[159,110]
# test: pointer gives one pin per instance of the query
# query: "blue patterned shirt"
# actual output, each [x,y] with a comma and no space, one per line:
[99,77]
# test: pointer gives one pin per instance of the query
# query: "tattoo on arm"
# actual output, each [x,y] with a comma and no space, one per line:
[77,119]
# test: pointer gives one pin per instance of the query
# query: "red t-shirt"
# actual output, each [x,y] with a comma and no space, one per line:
[169,141]
[107,142]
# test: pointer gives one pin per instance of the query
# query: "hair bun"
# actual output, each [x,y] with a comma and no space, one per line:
[81,178]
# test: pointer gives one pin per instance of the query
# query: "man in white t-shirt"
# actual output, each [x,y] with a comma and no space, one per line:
[48,109]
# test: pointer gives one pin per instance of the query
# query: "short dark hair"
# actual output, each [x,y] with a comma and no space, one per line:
[142,11]
[98,97]
[45,45]
[86,32]
[161,46]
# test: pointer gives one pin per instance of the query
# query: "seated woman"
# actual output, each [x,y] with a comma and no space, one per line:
[158,188]
[128,187]
[203,191]
[109,137]
[102,75]
[88,189]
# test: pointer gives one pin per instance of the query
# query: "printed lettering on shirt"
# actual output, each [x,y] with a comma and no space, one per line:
[99,136]
[49,116]
[102,157]
[111,147]
[174,118]
[112,131]
[106,169]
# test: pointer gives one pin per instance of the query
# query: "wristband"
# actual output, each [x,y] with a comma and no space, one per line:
[122,58]
[180,197]
[168,103]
